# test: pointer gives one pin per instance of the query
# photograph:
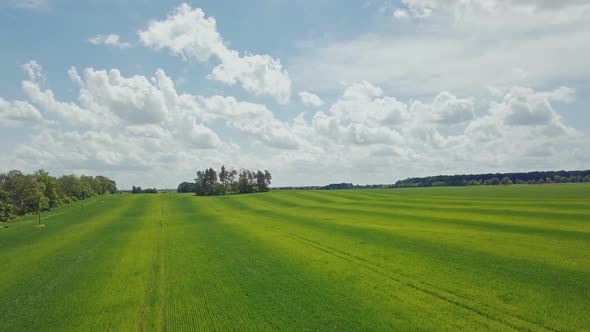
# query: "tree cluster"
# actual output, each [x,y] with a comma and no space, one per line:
[228,181]
[138,190]
[338,186]
[187,187]
[25,193]
[497,179]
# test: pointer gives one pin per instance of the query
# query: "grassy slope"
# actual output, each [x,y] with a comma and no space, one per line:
[493,258]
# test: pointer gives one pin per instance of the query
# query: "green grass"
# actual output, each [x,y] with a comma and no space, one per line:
[473,258]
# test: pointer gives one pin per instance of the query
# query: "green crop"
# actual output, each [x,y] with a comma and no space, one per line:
[471,258]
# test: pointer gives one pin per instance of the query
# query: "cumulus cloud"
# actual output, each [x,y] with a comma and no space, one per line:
[524,112]
[361,102]
[17,113]
[70,112]
[188,33]
[310,99]
[34,70]
[448,109]
[252,119]
[134,99]
[505,44]
[126,124]
[525,107]
[110,39]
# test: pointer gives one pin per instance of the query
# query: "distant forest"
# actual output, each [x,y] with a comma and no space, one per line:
[497,179]
[212,183]
[138,190]
[27,193]
[465,180]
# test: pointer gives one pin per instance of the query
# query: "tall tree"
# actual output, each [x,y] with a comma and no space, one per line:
[233,175]
[50,188]
[244,185]
[261,181]
[267,177]
[223,175]
[6,211]
[25,193]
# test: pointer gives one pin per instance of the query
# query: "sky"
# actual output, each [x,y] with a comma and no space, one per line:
[317,92]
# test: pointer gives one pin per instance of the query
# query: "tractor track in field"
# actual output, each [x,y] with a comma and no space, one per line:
[157,284]
[515,322]
[275,302]
[165,287]
[268,319]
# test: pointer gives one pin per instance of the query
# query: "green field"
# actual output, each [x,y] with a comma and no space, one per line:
[471,258]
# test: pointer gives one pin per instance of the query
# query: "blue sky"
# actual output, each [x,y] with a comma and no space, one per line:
[315,91]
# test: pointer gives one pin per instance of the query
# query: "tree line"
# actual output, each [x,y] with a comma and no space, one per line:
[338,186]
[138,190]
[209,182]
[497,179]
[26,193]
[490,179]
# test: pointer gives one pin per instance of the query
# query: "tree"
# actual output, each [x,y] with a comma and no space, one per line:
[103,185]
[223,177]
[50,188]
[24,192]
[267,177]
[86,184]
[208,183]
[186,187]
[210,180]
[232,175]
[200,184]
[33,193]
[244,186]
[205,181]
[6,211]
[69,187]
[506,181]
[261,181]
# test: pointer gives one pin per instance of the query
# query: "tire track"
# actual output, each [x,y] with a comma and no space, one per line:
[516,323]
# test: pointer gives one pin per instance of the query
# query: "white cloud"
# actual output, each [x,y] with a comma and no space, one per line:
[526,107]
[198,135]
[30,4]
[146,132]
[110,39]
[18,113]
[463,47]
[448,109]
[252,119]
[34,70]
[70,112]
[524,117]
[562,94]
[459,8]
[188,33]
[400,13]
[134,99]
[310,99]
[360,103]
